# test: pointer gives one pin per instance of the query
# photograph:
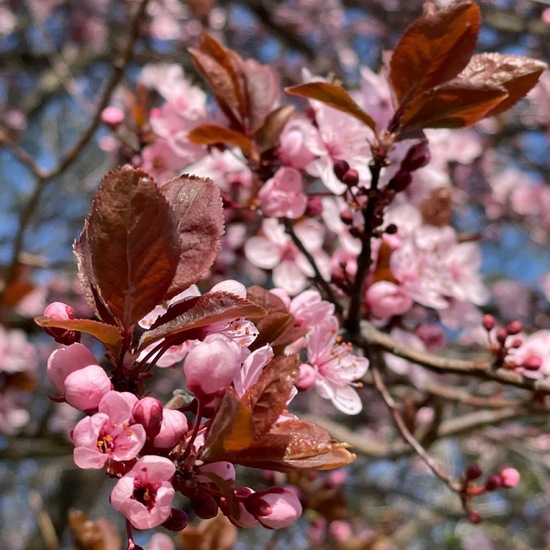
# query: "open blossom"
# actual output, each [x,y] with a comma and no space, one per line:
[275,250]
[110,434]
[333,368]
[64,361]
[282,195]
[144,495]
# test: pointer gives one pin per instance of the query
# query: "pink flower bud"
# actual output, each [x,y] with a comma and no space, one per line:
[85,387]
[340,530]
[211,365]
[275,508]
[112,117]
[148,413]
[509,477]
[400,181]
[307,378]
[417,157]
[513,328]
[351,178]
[64,361]
[488,322]
[173,428]
[387,299]
[223,469]
[61,312]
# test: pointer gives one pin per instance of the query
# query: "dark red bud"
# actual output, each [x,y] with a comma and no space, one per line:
[502,334]
[204,506]
[392,229]
[340,168]
[515,327]
[314,206]
[488,322]
[400,181]
[417,157]
[351,178]
[493,483]
[474,517]
[177,521]
[347,217]
[473,471]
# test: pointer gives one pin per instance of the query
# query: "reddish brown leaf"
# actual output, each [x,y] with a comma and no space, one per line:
[268,396]
[277,327]
[334,96]
[108,334]
[289,445]
[220,83]
[261,84]
[133,243]
[516,74]
[268,135]
[198,211]
[452,105]
[433,50]
[198,312]
[210,134]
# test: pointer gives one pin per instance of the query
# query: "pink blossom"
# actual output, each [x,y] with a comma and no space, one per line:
[13,411]
[108,435]
[298,141]
[144,495]
[282,195]
[275,250]
[223,469]
[84,388]
[211,365]
[336,367]
[535,346]
[17,354]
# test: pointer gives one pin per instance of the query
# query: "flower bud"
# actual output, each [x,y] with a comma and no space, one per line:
[417,157]
[532,362]
[400,181]
[509,477]
[351,178]
[177,521]
[61,312]
[275,508]
[488,322]
[173,427]
[340,168]
[513,328]
[85,388]
[148,413]
[112,117]
[474,517]
[493,483]
[314,206]
[473,471]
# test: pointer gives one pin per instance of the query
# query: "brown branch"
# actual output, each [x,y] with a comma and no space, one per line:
[371,336]
[434,466]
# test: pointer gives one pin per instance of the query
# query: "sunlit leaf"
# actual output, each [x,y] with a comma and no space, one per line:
[261,84]
[433,50]
[514,73]
[133,244]
[200,311]
[198,213]
[210,134]
[334,96]
[110,335]
[268,135]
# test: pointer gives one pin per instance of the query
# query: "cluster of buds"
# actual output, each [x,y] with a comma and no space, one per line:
[502,340]
[505,479]
[417,157]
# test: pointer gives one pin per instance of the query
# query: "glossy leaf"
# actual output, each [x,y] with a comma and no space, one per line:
[452,105]
[198,211]
[433,50]
[268,396]
[133,244]
[198,312]
[334,96]
[261,84]
[108,334]
[515,74]
[268,135]
[277,327]
[210,134]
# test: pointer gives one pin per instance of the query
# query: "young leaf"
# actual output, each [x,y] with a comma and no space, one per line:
[108,334]
[452,105]
[433,50]
[198,212]
[133,244]
[514,73]
[210,134]
[198,312]
[262,90]
[268,135]
[268,396]
[334,96]
[277,327]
